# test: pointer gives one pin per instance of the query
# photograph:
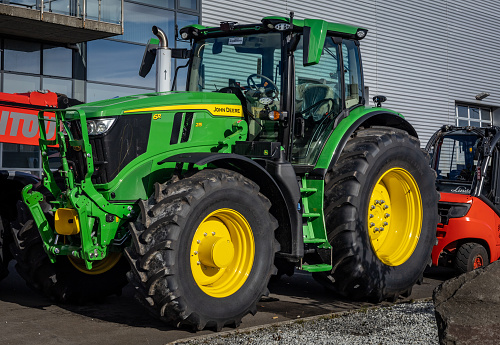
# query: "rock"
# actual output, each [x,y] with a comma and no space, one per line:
[468,307]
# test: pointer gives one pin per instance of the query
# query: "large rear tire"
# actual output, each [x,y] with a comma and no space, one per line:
[67,280]
[381,215]
[203,250]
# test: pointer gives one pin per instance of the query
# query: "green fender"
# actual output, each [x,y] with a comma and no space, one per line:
[360,116]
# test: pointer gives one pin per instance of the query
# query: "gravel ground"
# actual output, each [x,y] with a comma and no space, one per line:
[406,323]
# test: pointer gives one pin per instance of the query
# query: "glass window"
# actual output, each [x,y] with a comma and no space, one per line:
[139,20]
[250,65]
[97,92]
[20,83]
[318,99]
[161,3]
[20,156]
[352,74]
[60,6]
[472,116]
[474,113]
[110,10]
[457,158]
[191,4]
[57,61]
[22,56]
[58,86]
[117,62]
[182,21]
[485,114]
[462,111]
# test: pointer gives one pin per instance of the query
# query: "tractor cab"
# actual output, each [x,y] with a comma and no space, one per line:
[292,92]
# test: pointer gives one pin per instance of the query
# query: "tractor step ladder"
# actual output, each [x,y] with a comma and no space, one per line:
[308,230]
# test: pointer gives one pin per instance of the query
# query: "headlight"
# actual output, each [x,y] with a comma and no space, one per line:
[101,126]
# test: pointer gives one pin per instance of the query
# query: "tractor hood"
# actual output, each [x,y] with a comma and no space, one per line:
[153,102]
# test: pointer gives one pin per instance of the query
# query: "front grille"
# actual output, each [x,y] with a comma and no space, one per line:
[126,140]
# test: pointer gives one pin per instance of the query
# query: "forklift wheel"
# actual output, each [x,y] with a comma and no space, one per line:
[471,256]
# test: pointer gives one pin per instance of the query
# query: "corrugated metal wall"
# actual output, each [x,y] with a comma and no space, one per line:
[423,55]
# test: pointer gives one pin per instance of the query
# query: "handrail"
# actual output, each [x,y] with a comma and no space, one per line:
[77,8]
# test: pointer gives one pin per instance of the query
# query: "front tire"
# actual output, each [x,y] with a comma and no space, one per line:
[203,250]
[471,256]
[380,214]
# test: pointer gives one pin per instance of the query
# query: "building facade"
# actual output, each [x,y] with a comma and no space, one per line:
[431,59]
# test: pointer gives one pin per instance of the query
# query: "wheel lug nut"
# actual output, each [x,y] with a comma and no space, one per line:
[371,215]
[372,224]
[198,263]
[195,252]
[375,230]
[376,202]
[387,215]
[213,233]
[204,234]
[385,223]
[372,207]
[381,229]
[198,241]
[382,201]
[386,207]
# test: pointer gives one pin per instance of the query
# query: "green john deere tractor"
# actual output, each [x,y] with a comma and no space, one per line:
[270,160]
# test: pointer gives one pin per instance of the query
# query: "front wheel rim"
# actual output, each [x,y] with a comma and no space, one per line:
[98,267]
[222,253]
[395,216]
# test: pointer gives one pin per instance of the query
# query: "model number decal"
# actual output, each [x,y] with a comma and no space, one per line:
[198,124]
[156,116]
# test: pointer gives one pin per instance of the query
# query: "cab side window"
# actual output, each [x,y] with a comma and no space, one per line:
[352,74]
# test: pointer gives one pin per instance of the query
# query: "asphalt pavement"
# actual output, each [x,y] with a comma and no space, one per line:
[26,317]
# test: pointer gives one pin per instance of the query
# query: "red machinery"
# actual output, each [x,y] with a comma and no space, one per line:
[467,162]
[19,125]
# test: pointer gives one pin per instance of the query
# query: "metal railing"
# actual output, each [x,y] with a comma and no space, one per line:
[109,11]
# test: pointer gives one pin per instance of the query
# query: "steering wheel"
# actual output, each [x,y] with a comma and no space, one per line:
[316,105]
[263,90]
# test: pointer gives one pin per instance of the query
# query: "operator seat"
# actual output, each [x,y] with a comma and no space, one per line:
[313,94]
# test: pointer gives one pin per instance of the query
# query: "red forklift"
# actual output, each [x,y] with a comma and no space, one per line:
[467,163]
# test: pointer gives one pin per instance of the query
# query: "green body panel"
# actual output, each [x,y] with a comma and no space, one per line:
[209,133]
[340,131]
[318,32]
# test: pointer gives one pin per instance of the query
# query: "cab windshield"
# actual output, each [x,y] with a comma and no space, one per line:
[456,162]
[248,66]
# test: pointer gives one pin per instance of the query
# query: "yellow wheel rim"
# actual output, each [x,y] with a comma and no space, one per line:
[98,267]
[222,253]
[395,216]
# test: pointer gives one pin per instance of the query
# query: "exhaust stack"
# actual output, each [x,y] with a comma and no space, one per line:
[163,61]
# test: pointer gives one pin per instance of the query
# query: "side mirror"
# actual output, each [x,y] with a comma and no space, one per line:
[379,100]
[149,57]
